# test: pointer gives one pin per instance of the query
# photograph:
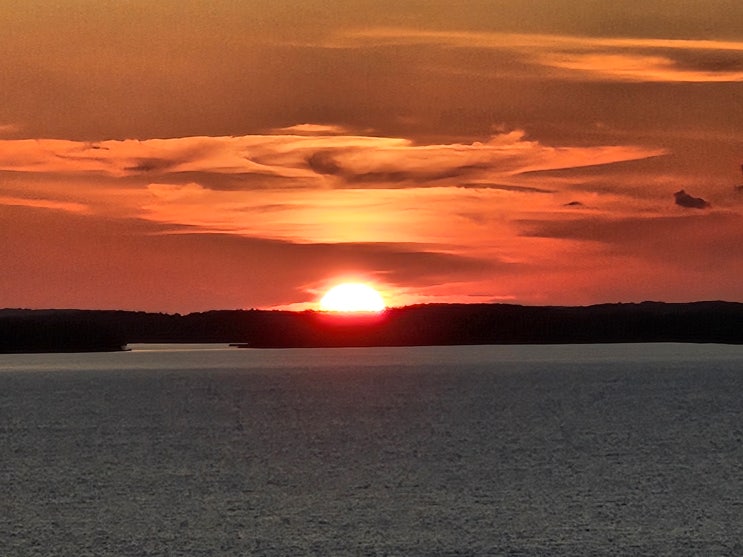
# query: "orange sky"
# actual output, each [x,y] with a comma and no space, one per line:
[186,155]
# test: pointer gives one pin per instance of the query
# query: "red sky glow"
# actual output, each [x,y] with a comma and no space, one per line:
[183,156]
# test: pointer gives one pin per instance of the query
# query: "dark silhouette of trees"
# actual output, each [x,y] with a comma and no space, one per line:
[433,324]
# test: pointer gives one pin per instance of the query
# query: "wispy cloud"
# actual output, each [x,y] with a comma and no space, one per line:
[640,67]
[489,216]
[312,129]
[308,188]
[593,58]
[66,206]
[9,129]
[311,161]
[710,238]
[119,263]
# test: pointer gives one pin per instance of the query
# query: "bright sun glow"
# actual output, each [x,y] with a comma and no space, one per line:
[351,296]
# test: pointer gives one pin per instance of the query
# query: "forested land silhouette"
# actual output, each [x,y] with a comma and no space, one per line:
[419,325]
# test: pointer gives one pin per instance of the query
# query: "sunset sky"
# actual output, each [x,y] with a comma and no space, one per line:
[183,155]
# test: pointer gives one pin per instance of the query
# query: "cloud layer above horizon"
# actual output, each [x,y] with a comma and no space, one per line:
[250,156]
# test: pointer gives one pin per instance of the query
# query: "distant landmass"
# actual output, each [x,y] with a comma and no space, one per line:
[420,325]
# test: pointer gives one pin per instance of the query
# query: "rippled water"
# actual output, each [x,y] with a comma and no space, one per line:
[496,450]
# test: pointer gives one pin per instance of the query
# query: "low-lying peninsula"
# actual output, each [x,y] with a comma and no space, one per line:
[24,331]
[421,325]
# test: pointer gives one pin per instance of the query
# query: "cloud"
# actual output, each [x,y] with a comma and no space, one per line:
[9,129]
[685,200]
[696,240]
[452,197]
[313,161]
[638,67]
[323,162]
[311,129]
[504,187]
[52,204]
[693,256]
[138,264]
[176,192]
[583,57]
[398,163]
[390,170]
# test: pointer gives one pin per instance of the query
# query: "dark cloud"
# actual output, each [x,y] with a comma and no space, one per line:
[574,204]
[238,181]
[606,230]
[183,151]
[323,162]
[685,200]
[418,176]
[697,241]
[147,165]
[706,60]
[327,163]
[504,187]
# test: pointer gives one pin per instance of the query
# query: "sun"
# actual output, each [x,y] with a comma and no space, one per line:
[352,297]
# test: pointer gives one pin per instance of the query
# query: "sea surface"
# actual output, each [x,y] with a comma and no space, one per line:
[206,450]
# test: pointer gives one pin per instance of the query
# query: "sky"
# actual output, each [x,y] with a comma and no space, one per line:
[185,155]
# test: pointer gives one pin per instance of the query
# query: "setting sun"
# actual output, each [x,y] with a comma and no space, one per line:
[352,297]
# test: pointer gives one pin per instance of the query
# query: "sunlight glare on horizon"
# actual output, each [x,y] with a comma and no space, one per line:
[352,297]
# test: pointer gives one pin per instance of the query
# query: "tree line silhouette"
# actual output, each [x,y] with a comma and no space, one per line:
[420,325]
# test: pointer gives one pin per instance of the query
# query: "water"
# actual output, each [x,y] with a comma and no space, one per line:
[496,450]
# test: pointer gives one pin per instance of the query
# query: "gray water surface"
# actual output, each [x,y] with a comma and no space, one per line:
[494,450]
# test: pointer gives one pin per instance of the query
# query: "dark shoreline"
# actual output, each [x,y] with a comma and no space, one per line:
[422,325]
